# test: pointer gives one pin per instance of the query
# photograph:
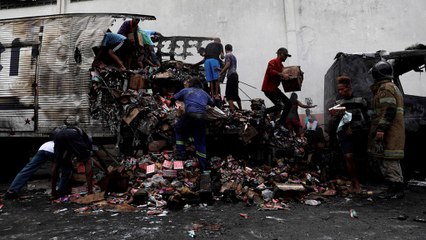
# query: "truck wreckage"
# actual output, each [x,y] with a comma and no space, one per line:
[135,105]
[44,72]
[50,76]
[252,160]
[357,67]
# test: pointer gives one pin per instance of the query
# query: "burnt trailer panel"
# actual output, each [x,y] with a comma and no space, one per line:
[44,77]
[44,71]
[357,67]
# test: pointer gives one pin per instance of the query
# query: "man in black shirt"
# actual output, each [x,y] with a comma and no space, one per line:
[212,66]
[352,136]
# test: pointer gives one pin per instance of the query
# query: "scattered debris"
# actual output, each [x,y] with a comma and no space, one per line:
[312,202]
[419,219]
[402,217]
[353,213]
[60,210]
[416,183]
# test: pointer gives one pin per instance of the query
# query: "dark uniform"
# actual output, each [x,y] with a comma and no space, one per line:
[387,133]
[70,142]
[388,117]
[193,122]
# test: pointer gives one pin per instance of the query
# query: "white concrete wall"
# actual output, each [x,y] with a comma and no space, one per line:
[351,26]
[313,31]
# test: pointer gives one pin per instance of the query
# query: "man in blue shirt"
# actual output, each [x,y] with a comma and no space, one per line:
[212,66]
[193,122]
[116,47]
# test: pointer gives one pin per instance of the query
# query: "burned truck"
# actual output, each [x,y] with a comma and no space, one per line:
[45,76]
[44,71]
[357,67]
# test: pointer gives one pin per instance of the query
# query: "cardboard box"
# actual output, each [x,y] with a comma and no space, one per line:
[137,82]
[294,82]
[178,165]
[168,173]
[167,164]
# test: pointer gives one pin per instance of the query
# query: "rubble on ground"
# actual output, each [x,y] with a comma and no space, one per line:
[269,171]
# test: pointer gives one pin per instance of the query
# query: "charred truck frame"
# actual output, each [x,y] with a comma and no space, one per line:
[45,76]
[357,67]
[44,71]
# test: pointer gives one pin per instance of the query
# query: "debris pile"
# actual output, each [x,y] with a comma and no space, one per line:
[264,164]
[156,182]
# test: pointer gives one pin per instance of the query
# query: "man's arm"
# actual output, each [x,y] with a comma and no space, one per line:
[225,68]
[222,53]
[304,105]
[386,113]
[89,176]
[210,101]
[199,63]
[117,60]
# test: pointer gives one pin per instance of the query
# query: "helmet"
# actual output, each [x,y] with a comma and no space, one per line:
[382,70]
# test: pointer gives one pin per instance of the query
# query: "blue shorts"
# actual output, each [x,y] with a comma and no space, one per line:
[211,69]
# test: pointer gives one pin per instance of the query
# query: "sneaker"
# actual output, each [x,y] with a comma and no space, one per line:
[11,195]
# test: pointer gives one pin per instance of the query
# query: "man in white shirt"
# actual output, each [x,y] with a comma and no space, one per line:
[44,153]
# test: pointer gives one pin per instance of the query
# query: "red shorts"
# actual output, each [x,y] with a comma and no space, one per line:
[293,122]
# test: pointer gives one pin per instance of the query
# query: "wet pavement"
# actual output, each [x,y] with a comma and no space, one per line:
[34,216]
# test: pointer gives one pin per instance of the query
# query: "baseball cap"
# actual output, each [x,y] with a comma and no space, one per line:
[284,50]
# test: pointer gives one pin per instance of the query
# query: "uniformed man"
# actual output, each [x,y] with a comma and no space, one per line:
[387,132]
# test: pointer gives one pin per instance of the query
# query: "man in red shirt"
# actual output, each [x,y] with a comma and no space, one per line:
[273,77]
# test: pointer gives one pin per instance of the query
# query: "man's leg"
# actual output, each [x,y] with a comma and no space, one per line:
[54,180]
[392,172]
[200,143]
[217,89]
[89,176]
[239,104]
[286,109]
[32,166]
[215,65]
[212,92]
[181,137]
[231,91]
[231,105]
[278,105]
[352,171]
[64,180]
[236,98]
[209,75]
[66,171]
